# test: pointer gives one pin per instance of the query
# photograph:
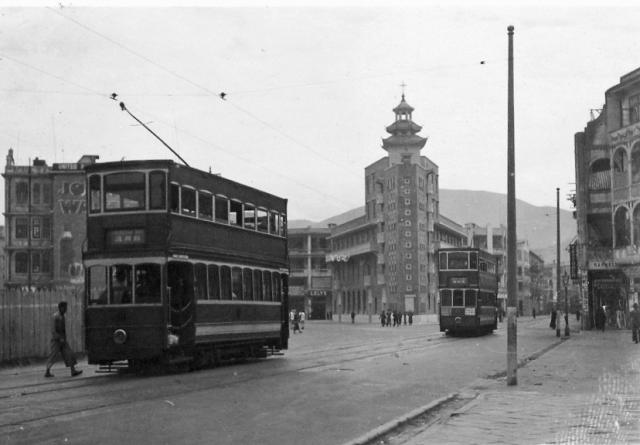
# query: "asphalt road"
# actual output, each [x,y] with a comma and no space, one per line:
[336,382]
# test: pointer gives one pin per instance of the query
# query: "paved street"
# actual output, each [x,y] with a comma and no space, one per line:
[336,383]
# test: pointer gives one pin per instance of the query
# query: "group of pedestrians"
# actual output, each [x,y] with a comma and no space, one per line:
[386,317]
[296,320]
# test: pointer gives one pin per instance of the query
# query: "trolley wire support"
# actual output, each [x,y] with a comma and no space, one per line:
[123,107]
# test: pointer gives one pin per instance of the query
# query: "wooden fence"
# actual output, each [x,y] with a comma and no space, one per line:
[26,321]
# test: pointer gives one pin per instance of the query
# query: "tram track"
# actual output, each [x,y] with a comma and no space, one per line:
[42,402]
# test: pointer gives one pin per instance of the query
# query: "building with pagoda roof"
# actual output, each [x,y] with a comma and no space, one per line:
[385,259]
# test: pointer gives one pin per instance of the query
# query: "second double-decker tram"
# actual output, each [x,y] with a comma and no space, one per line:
[468,290]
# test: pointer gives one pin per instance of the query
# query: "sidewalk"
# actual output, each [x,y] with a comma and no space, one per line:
[584,391]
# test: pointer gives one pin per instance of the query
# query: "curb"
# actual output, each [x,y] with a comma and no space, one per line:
[392,424]
[383,429]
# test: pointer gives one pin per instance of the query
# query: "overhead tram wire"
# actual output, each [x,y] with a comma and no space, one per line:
[229,152]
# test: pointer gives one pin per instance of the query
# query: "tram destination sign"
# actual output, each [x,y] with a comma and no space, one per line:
[457,281]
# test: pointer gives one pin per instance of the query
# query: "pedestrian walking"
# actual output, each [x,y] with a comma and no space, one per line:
[533,312]
[59,343]
[388,318]
[554,316]
[410,318]
[601,318]
[635,323]
[383,319]
[292,315]
[353,317]
[302,317]
[296,322]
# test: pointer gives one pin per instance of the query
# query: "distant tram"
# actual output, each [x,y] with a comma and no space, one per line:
[468,288]
[182,266]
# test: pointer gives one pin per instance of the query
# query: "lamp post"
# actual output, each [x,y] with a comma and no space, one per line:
[557,259]
[565,281]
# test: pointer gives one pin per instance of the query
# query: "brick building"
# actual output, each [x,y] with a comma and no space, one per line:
[45,223]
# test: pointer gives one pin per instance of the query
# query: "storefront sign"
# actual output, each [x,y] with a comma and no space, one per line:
[602,265]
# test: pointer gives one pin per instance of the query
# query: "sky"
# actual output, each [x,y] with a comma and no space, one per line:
[310,87]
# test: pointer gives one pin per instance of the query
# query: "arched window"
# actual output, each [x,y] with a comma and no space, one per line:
[620,161]
[635,163]
[636,225]
[622,227]
[600,178]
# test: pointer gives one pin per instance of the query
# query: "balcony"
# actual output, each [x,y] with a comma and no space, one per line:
[346,253]
[626,255]
[380,237]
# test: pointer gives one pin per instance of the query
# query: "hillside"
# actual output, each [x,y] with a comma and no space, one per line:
[537,224]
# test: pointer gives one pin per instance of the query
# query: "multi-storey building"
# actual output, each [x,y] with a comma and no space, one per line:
[45,222]
[607,160]
[309,276]
[385,258]
[449,233]
[3,257]
[539,289]
[524,279]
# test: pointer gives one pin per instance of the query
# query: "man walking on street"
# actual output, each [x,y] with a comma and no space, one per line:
[59,343]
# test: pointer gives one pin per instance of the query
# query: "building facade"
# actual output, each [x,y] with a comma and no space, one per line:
[493,240]
[45,223]
[607,162]
[309,275]
[385,259]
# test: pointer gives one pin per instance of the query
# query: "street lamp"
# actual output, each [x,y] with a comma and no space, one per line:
[565,281]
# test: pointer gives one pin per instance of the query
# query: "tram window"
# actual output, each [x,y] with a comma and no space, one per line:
[235,213]
[473,260]
[458,297]
[257,285]
[249,217]
[200,285]
[225,282]
[443,261]
[214,282]
[445,297]
[147,283]
[174,198]
[205,206]
[94,193]
[247,277]
[236,284]
[266,279]
[263,222]
[124,191]
[188,201]
[458,260]
[121,283]
[277,287]
[483,266]
[273,223]
[157,190]
[97,288]
[222,209]
[470,296]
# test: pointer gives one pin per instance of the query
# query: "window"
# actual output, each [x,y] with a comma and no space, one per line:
[46,193]
[157,190]
[22,192]
[214,282]
[95,199]
[22,228]
[282,225]
[257,286]
[174,198]
[235,213]
[121,283]
[406,181]
[187,201]
[445,297]
[247,277]
[249,217]
[147,283]
[458,297]
[407,212]
[277,286]
[200,285]
[236,284]
[470,297]
[266,281]
[35,195]
[408,277]
[222,209]
[36,228]
[407,201]
[408,255]
[124,191]
[225,282]
[205,206]
[407,244]
[408,266]
[273,223]
[634,109]
[263,221]
[407,223]
[35,262]
[458,260]
[407,233]
[97,285]
[473,260]
[46,262]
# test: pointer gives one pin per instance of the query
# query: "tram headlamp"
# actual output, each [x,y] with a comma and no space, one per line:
[172,339]
[119,336]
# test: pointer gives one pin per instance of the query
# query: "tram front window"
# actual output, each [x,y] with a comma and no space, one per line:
[458,260]
[124,191]
[147,283]
[458,297]
[97,286]
[470,298]
[121,284]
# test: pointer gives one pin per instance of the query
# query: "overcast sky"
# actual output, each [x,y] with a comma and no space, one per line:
[310,89]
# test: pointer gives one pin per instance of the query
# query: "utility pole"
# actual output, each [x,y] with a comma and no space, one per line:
[512,286]
[557,260]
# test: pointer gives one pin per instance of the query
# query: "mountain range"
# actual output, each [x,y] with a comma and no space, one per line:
[536,224]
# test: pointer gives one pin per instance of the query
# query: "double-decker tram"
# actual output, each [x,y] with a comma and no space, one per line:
[182,266]
[468,288]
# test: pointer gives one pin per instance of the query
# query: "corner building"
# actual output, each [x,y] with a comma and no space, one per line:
[386,258]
